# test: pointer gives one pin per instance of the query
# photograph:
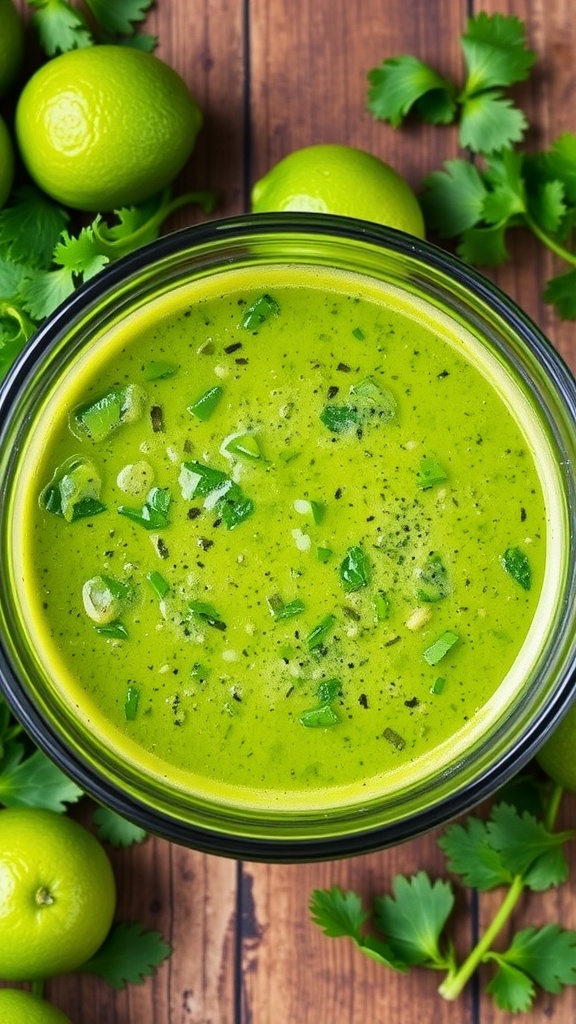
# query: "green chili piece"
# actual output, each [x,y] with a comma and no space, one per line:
[159,370]
[440,648]
[354,570]
[154,512]
[359,333]
[431,472]
[319,718]
[131,703]
[381,605]
[113,631]
[203,407]
[517,566]
[318,635]
[260,311]
[74,491]
[207,613]
[158,583]
[438,685]
[245,444]
[328,690]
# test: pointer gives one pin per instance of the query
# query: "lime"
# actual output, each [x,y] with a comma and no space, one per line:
[11,45]
[339,179]
[105,127]
[556,757]
[57,894]
[6,163]
[18,1007]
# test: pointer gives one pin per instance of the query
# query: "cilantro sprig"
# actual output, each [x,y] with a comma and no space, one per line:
[514,848]
[478,202]
[42,263]
[61,26]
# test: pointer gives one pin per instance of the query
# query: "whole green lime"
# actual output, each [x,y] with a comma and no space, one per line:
[343,180]
[57,894]
[11,45]
[6,163]
[19,1007]
[556,757]
[105,127]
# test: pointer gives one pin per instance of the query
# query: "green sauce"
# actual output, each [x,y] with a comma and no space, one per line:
[306,504]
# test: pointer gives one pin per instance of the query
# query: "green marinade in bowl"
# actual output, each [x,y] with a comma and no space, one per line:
[289,541]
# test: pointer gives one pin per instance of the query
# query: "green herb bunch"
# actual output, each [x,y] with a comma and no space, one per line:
[496,186]
[42,259]
[515,849]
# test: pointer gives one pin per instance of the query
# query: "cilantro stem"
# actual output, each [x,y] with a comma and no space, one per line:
[559,250]
[453,985]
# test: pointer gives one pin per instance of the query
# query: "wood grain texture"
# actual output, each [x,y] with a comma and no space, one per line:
[271,76]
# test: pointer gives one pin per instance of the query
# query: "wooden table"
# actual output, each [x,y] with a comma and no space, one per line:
[272,76]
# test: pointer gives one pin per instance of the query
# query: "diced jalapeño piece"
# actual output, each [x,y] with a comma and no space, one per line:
[205,405]
[74,491]
[99,418]
[259,312]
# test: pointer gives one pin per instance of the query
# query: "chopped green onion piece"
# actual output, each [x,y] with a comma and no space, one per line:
[105,598]
[394,738]
[324,554]
[381,605]
[280,611]
[259,312]
[359,333]
[154,512]
[207,613]
[204,406]
[99,418]
[354,570]
[113,631]
[340,418]
[244,444]
[197,480]
[319,718]
[318,635]
[517,566]
[131,703]
[74,491]
[158,583]
[158,370]
[200,672]
[438,685]
[433,583]
[328,690]
[318,511]
[440,648]
[431,472]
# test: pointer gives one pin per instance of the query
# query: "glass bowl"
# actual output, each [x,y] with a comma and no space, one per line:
[436,292]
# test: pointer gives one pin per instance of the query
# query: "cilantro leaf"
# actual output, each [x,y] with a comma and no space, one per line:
[127,956]
[490,122]
[79,255]
[338,913]
[521,840]
[484,247]
[60,26]
[414,916]
[547,955]
[560,162]
[114,829]
[118,16]
[560,291]
[453,198]
[495,51]
[139,41]
[471,855]
[30,227]
[403,82]
[341,915]
[548,206]
[34,781]
[512,989]
[43,293]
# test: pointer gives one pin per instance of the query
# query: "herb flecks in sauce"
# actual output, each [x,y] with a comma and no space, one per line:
[306,558]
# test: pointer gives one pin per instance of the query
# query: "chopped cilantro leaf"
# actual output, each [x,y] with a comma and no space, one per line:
[154,513]
[355,570]
[127,956]
[340,418]
[517,565]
